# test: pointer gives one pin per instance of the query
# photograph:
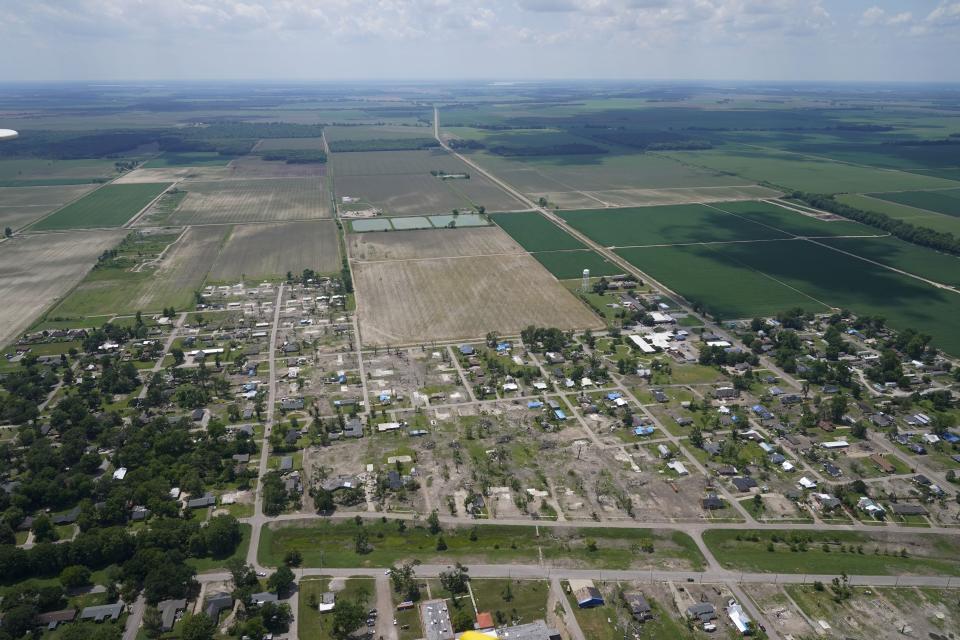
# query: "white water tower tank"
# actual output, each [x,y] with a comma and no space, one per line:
[585,284]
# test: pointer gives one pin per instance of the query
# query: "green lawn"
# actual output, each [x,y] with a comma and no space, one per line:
[319,626]
[527,598]
[927,554]
[332,544]
[109,206]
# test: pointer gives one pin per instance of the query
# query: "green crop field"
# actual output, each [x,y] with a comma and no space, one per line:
[749,551]
[791,222]
[913,215]
[946,201]
[534,232]
[332,544]
[805,173]
[725,287]
[675,224]
[926,263]
[567,265]
[109,206]
[188,159]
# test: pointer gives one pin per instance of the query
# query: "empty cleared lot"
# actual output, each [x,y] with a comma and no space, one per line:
[252,201]
[258,251]
[19,206]
[36,270]
[109,206]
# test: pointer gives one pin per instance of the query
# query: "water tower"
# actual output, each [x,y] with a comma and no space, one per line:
[585,283]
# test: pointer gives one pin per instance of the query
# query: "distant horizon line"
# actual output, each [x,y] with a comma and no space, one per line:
[492,80]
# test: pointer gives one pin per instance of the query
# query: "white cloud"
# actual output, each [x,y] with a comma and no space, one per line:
[876,16]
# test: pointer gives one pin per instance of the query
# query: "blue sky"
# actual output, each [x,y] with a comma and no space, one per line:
[837,40]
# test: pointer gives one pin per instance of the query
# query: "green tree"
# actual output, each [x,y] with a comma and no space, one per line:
[348,616]
[197,627]
[152,622]
[75,576]
[433,522]
[281,580]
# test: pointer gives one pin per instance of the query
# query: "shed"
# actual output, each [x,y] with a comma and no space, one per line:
[638,605]
[588,597]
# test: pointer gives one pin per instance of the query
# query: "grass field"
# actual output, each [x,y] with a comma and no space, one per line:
[36,270]
[791,222]
[29,172]
[272,200]
[188,159]
[803,172]
[312,624]
[171,283]
[535,233]
[285,144]
[109,206]
[945,201]
[527,598]
[927,554]
[332,543]
[259,251]
[377,132]
[19,206]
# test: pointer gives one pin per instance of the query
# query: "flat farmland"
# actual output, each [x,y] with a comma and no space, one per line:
[725,287]
[945,201]
[449,298]
[401,194]
[535,232]
[252,201]
[259,251]
[26,172]
[658,197]
[19,206]
[36,270]
[382,163]
[737,280]
[172,282]
[377,132]
[173,174]
[188,159]
[567,265]
[913,215]
[574,176]
[926,263]
[284,144]
[457,283]
[677,224]
[805,173]
[109,206]
[252,167]
[792,222]
[427,244]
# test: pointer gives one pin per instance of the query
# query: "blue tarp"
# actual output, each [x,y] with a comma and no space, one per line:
[534,404]
[644,431]
[560,414]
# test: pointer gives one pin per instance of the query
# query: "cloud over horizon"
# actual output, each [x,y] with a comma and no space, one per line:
[344,39]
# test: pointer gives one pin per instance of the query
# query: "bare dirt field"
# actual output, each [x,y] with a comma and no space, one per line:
[436,243]
[173,174]
[183,268]
[266,200]
[259,251]
[401,194]
[383,163]
[19,206]
[36,270]
[250,167]
[655,197]
[448,298]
